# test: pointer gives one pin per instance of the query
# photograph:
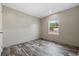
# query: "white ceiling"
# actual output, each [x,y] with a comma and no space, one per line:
[40,9]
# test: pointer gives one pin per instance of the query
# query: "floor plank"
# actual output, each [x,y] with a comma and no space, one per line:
[38,48]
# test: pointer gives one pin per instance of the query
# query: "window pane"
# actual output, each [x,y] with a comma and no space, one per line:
[53,26]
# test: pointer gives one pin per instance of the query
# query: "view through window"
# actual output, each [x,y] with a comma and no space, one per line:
[53,25]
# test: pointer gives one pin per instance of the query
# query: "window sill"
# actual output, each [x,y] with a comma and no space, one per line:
[54,33]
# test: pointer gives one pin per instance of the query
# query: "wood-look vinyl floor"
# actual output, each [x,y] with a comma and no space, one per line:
[38,48]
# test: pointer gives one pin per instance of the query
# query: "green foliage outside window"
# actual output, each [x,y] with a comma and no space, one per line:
[53,26]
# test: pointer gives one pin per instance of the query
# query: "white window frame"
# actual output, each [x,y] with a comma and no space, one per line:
[54,19]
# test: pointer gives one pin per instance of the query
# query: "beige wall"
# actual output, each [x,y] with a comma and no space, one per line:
[19,27]
[69,27]
[0,18]
[0,29]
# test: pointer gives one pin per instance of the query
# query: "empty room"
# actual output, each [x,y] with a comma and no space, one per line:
[39,29]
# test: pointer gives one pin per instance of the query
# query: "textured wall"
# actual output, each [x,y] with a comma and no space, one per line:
[69,27]
[0,28]
[19,27]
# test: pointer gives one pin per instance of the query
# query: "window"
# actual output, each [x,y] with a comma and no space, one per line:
[53,25]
